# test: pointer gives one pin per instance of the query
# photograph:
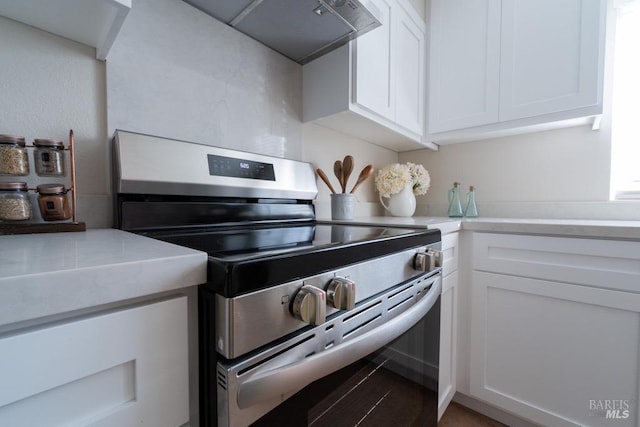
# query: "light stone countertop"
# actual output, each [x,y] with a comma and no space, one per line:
[602,229]
[48,274]
[53,273]
[446,225]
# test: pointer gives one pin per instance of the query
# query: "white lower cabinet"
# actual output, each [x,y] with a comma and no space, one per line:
[448,322]
[556,348]
[448,328]
[119,368]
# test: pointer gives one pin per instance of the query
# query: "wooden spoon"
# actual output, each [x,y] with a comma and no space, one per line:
[347,168]
[323,176]
[366,173]
[337,170]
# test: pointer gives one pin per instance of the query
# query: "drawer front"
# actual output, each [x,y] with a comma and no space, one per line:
[547,351]
[450,252]
[127,367]
[601,263]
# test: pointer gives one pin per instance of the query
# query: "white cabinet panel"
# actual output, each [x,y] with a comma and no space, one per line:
[464,64]
[373,80]
[448,339]
[554,329]
[502,67]
[409,66]
[600,263]
[448,322]
[374,87]
[550,56]
[547,350]
[450,253]
[121,368]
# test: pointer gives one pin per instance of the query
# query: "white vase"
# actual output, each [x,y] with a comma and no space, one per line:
[401,204]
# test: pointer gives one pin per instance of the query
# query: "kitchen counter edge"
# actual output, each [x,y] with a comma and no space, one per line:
[600,229]
[43,275]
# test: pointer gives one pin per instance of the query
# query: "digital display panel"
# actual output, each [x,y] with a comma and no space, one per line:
[240,168]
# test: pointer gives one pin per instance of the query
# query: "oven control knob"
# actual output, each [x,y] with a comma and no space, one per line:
[341,293]
[428,261]
[310,305]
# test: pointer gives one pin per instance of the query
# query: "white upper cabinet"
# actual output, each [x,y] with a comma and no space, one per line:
[464,63]
[508,66]
[409,79]
[551,56]
[373,80]
[374,87]
[95,23]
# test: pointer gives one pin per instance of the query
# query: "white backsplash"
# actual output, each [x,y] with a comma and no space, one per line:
[50,85]
[591,210]
[178,73]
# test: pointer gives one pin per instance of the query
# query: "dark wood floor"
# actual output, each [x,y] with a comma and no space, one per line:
[459,416]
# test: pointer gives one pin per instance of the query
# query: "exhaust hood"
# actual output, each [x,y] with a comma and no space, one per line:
[301,30]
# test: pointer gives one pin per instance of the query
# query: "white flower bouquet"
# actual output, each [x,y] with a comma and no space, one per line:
[392,179]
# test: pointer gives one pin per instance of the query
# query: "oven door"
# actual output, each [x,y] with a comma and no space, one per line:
[375,365]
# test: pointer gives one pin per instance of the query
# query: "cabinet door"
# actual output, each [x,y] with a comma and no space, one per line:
[121,368]
[408,70]
[464,64]
[551,56]
[373,85]
[448,339]
[555,353]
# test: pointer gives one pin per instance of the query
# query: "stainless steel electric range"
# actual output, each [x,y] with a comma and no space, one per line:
[300,323]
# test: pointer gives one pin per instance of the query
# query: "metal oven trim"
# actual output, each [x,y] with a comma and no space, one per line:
[238,332]
[261,382]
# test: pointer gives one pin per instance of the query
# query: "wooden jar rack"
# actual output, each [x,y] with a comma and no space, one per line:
[54,227]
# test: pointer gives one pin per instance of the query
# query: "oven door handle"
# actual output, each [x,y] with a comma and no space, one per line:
[288,379]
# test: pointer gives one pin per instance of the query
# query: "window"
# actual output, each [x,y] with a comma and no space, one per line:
[625,121]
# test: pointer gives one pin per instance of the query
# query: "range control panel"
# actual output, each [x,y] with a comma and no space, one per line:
[240,168]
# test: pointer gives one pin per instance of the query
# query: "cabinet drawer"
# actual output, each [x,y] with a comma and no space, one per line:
[601,263]
[128,367]
[546,351]
[450,253]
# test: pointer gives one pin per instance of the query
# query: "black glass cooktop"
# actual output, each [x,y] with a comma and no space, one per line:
[245,259]
[237,244]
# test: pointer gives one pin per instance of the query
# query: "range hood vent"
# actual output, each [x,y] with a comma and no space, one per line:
[301,30]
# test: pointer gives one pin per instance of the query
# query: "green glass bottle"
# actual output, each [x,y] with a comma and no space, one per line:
[471,210]
[455,207]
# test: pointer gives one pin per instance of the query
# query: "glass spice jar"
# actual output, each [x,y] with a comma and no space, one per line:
[53,202]
[13,156]
[14,201]
[48,157]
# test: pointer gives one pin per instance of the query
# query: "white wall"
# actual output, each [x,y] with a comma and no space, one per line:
[175,72]
[554,174]
[560,165]
[49,85]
